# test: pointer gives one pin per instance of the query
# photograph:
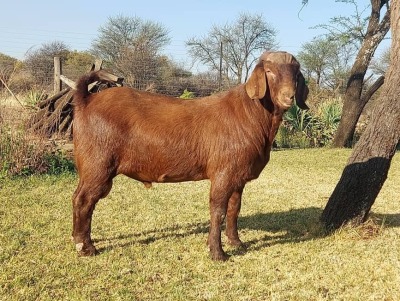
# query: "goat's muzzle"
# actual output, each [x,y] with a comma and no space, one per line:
[286,99]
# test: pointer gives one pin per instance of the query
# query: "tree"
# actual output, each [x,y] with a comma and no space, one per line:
[7,67]
[381,64]
[368,166]
[40,62]
[131,46]
[376,30]
[326,61]
[314,56]
[231,50]
[172,77]
[77,63]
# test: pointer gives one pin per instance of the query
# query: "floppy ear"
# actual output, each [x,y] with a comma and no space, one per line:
[301,92]
[256,85]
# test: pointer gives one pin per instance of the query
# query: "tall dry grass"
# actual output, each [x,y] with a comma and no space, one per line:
[23,152]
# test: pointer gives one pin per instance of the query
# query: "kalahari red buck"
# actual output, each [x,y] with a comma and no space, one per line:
[226,138]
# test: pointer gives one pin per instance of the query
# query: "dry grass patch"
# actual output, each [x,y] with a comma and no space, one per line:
[152,241]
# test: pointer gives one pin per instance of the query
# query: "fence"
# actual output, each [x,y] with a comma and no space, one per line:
[157,75]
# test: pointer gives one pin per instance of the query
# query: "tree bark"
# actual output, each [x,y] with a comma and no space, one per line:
[368,166]
[353,104]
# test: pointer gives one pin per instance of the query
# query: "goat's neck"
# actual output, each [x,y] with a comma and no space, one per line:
[272,118]
[276,117]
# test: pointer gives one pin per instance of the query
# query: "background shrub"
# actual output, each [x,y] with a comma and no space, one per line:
[326,121]
[22,154]
[313,128]
[187,94]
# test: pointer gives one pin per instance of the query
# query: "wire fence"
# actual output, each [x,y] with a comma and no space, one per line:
[158,75]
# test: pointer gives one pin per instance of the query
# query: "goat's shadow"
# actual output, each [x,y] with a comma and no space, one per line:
[295,225]
[280,227]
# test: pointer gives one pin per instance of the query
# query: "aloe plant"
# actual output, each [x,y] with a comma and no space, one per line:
[310,128]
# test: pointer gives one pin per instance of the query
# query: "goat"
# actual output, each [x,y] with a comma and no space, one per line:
[226,138]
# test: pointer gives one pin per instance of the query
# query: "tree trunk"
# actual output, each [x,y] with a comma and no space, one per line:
[368,166]
[353,105]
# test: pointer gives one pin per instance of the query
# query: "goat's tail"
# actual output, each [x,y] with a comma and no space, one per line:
[81,92]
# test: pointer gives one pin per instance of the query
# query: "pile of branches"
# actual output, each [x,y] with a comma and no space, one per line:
[54,115]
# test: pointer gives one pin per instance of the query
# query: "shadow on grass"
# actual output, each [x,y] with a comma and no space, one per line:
[388,220]
[280,227]
[291,226]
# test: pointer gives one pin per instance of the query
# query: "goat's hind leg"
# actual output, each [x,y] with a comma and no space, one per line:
[84,201]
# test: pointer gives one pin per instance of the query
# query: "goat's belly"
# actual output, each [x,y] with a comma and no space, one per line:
[165,178]
[158,174]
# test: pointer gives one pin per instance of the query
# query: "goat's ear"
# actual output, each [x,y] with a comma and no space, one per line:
[256,86]
[301,92]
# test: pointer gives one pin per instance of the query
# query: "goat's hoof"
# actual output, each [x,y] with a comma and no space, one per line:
[237,244]
[219,256]
[88,250]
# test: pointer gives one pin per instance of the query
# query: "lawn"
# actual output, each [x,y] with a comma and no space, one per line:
[152,242]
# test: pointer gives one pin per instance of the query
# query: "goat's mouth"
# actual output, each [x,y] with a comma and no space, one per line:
[285,104]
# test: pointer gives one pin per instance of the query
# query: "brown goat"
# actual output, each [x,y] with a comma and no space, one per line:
[225,138]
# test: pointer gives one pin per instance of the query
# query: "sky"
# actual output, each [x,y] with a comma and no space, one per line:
[27,24]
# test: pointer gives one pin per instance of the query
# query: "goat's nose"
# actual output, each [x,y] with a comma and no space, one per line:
[289,96]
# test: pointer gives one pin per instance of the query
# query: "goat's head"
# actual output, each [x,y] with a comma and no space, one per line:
[278,75]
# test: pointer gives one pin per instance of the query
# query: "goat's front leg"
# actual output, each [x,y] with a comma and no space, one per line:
[219,197]
[233,211]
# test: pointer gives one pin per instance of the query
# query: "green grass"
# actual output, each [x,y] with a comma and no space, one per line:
[153,241]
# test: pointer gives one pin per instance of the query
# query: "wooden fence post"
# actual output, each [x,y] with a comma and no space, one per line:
[57,74]
[97,64]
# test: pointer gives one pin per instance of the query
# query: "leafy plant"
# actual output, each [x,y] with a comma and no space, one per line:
[327,120]
[33,97]
[58,163]
[297,120]
[187,94]
[315,127]
[295,130]
[291,139]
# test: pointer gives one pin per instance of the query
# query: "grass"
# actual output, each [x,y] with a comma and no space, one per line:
[152,241]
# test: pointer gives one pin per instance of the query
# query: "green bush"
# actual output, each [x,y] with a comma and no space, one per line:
[295,131]
[287,139]
[187,95]
[58,163]
[33,97]
[313,128]
[327,118]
